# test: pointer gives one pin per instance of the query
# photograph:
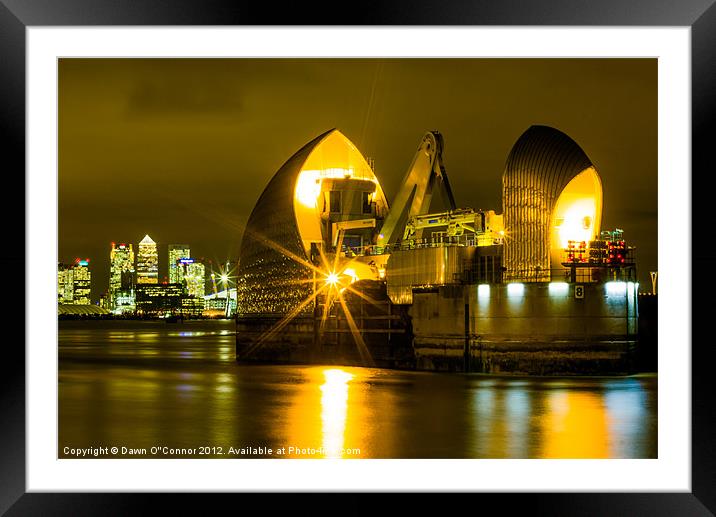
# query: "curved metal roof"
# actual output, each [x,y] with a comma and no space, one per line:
[545,155]
[267,277]
[540,165]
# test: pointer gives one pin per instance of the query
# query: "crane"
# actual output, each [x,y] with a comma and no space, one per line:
[415,193]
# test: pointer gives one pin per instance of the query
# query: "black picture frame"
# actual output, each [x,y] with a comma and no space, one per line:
[700,15]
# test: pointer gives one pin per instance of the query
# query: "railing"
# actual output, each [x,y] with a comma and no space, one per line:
[434,242]
[581,275]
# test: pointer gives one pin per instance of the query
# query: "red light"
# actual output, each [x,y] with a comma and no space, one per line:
[77,260]
[622,260]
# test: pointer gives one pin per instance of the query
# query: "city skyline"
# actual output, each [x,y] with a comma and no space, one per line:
[115,281]
[184,147]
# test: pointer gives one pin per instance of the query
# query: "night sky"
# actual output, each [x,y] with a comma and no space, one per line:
[181,149]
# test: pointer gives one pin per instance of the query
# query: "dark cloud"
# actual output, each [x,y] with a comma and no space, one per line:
[182,148]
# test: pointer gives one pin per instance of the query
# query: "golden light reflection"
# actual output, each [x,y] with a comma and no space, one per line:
[327,414]
[576,425]
[334,408]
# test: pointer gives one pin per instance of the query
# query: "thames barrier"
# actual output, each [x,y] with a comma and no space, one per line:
[330,272]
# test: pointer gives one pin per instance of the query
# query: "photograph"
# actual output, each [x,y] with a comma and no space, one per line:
[357,258]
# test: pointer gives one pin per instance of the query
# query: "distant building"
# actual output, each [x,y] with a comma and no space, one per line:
[159,299]
[193,275]
[176,253]
[124,301]
[121,278]
[215,304]
[64,283]
[191,306]
[147,262]
[81,282]
[73,283]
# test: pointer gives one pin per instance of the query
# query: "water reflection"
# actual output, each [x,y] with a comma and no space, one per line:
[334,407]
[575,426]
[145,386]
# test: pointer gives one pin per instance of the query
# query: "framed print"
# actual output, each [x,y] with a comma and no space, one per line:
[283,150]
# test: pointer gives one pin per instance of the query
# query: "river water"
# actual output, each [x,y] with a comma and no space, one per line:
[168,390]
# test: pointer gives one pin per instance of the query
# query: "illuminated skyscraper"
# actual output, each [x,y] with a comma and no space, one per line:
[193,276]
[147,262]
[81,282]
[121,279]
[73,283]
[177,252]
[64,283]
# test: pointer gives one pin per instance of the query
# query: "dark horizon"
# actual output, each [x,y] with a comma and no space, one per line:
[181,149]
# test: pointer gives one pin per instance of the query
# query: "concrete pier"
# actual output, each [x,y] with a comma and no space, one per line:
[523,328]
[537,328]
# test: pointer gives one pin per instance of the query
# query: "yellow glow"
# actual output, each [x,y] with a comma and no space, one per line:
[577,214]
[329,413]
[351,273]
[332,279]
[308,187]
[335,157]
[575,426]
[577,222]
[334,408]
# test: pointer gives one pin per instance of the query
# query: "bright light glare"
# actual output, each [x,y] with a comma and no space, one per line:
[483,291]
[332,279]
[577,213]
[336,376]
[578,222]
[334,409]
[616,288]
[308,187]
[224,278]
[558,288]
[515,290]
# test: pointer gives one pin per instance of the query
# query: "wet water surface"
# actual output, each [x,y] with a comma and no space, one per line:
[174,390]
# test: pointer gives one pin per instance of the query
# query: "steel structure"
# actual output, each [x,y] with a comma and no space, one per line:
[540,166]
